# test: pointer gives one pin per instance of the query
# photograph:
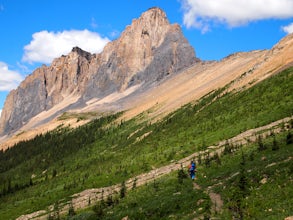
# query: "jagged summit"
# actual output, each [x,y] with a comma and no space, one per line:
[137,72]
[81,52]
[155,9]
[144,46]
[146,52]
[154,16]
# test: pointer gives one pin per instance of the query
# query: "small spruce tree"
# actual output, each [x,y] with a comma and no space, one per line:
[134,183]
[181,175]
[109,200]
[71,211]
[261,145]
[123,190]
[207,160]
[199,161]
[98,210]
[275,145]
[217,159]
[54,173]
[243,187]
[289,138]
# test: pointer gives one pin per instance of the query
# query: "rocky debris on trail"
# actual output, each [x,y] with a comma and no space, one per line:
[216,201]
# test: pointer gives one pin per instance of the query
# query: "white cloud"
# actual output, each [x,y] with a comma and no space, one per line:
[202,13]
[9,79]
[288,29]
[45,46]
[0,112]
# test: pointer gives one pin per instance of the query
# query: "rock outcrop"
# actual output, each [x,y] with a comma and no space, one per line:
[44,88]
[147,51]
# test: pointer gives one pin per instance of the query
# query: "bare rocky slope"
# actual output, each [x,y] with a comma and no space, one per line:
[151,67]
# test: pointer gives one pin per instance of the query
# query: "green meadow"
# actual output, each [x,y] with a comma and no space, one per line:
[51,167]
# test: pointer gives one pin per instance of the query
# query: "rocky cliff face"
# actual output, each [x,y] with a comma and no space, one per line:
[147,51]
[44,88]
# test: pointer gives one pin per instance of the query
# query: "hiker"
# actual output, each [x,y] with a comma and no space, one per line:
[192,169]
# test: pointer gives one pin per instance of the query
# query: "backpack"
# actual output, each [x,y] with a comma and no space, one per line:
[192,167]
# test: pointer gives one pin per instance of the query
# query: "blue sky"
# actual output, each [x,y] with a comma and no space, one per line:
[33,32]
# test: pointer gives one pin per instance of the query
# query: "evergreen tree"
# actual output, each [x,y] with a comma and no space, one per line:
[217,159]
[261,145]
[241,190]
[199,161]
[134,183]
[123,190]
[54,173]
[109,200]
[71,211]
[98,210]
[181,175]
[207,160]
[31,182]
[275,145]
[289,138]
[56,214]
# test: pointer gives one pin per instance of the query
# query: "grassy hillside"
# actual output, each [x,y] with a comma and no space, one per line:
[40,172]
[253,182]
[256,181]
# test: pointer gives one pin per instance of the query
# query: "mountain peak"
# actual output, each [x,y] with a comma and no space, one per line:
[81,52]
[150,22]
[154,12]
[147,51]
[150,48]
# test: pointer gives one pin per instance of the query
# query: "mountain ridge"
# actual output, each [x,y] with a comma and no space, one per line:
[136,57]
[164,94]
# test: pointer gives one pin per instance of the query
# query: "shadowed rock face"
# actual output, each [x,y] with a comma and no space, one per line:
[147,51]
